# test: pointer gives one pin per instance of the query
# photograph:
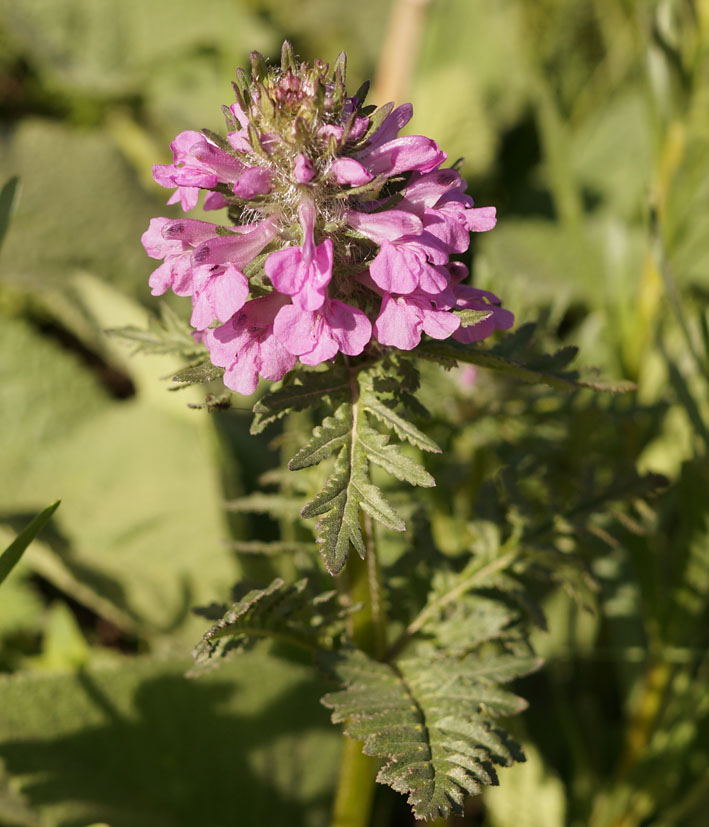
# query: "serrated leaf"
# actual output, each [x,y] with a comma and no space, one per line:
[348,488]
[404,429]
[547,370]
[164,335]
[311,389]
[327,438]
[469,318]
[389,457]
[289,613]
[197,374]
[431,719]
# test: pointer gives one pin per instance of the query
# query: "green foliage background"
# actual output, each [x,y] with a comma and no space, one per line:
[587,124]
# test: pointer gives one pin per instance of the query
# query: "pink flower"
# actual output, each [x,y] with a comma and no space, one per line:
[403,268]
[247,347]
[238,249]
[199,164]
[174,242]
[317,336]
[303,272]
[403,319]
[218,292]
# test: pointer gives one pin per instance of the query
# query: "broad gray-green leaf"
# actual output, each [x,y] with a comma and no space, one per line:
[55,729]
[431,719]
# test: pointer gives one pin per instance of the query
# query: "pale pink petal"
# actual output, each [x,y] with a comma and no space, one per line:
[440,324]
[295,329]
[398,324]
[349,326]
[395,271]
[481,219]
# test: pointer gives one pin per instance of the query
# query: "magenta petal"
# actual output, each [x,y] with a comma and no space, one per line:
[413,152]
[390,126]
[386,225]
[238,249]
[242,375]
[349,171]
[214,201]
[303,170]
[427,189]
[275,359]
[433,279]
[253,181]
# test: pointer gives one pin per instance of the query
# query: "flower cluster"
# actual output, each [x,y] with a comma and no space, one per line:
[339,232]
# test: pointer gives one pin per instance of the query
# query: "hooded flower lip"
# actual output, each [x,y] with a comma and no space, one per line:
[318,189]
[247,347]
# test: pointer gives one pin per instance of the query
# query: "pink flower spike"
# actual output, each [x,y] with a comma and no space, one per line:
[318,336]
[303,170]
[348,171]
[219,293]
[246,345]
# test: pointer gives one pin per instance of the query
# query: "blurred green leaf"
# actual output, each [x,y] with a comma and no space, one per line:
[138,745]
[11,556]
[8,197]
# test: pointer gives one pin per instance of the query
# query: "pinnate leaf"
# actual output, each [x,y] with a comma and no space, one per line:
[289,613]
[432,720]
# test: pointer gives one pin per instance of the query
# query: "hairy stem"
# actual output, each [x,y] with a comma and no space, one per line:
[355,788]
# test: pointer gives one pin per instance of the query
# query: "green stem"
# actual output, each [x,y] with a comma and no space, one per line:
[355,788]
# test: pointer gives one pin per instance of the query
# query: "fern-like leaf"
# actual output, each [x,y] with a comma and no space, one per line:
[288,613]
[308,390]
[511,357]
[432,720]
